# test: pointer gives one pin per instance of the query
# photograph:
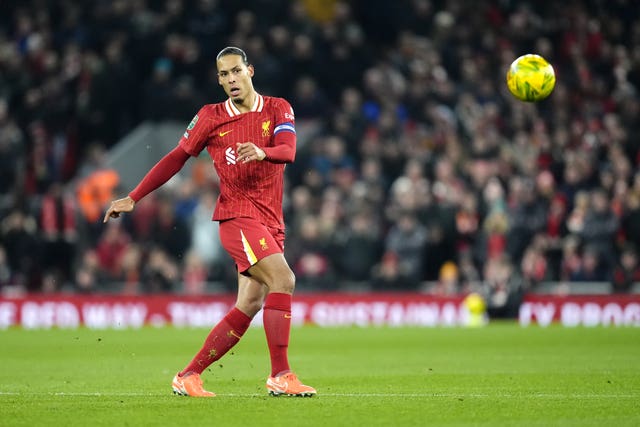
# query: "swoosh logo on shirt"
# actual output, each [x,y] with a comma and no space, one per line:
[224,133]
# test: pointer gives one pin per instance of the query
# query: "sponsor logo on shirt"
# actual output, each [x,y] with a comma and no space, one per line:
[230,155]
[221,134]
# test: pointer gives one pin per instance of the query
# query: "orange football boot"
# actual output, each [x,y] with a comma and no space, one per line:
[190,385]
[288,384]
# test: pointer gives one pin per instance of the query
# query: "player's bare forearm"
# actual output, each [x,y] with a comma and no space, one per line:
[248,151]
[126,204]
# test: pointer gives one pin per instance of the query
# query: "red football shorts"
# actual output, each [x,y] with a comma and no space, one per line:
[248,241]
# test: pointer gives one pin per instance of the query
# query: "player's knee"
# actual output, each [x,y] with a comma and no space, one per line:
[250,306]
[275,273]
[289,282]
[250,303]
[284,282]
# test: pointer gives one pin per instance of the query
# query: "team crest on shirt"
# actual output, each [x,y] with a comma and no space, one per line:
[263,244]
[265,128]
[193,122]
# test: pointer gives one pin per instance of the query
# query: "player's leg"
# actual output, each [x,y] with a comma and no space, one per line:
[222,337]
[251,295]
[258,251]
[274,272]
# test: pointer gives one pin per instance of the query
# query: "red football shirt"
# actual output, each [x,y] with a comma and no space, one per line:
[252,189]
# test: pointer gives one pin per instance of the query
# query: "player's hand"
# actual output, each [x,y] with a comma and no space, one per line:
[248,151]
[118,206]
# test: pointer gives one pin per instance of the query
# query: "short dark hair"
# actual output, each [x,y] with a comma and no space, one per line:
[232,50]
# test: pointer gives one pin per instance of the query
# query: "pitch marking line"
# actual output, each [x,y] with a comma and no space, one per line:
[380,395]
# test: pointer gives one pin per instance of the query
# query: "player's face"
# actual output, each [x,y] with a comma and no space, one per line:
[235,77]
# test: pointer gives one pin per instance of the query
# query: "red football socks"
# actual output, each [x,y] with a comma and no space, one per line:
[220,340]
[277,326]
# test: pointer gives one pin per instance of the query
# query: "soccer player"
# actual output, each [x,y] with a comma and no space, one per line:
[250,138]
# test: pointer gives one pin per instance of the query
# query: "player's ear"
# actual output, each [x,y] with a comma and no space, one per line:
[251,70]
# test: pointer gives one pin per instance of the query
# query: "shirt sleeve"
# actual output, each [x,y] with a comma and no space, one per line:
[167,167]
[284,135]
[194,139]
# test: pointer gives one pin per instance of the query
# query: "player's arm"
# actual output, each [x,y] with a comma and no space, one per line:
[284,150]
[167,167]
[284,139]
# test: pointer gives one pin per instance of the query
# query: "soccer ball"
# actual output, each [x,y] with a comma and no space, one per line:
[531,78]
[475,303]
[476,310]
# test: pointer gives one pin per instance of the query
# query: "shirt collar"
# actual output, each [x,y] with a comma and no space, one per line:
[233,111]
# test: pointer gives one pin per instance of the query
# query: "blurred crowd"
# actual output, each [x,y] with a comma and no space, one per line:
[414,165]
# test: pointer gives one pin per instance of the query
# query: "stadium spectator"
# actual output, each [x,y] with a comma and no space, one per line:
[11,152]
[20,238]
[592,269]
[132,266]
[195,274]
[95,187]
[160,273]
[58,225]
[599,231]
[387,275]
[356,247]
[627,271]
[448,280]
[89,277]
[157,90]
[308,251]
[111,248]
[427,89]
[535,265]
[555,231]
[206,243]
[310,100]
[491,240]
[467,221]
[6,275]
[407,239]
[169,231]
[526,216]
[503,288]
[630,221]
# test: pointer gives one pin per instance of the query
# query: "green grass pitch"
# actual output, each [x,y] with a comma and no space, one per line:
[501,375]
